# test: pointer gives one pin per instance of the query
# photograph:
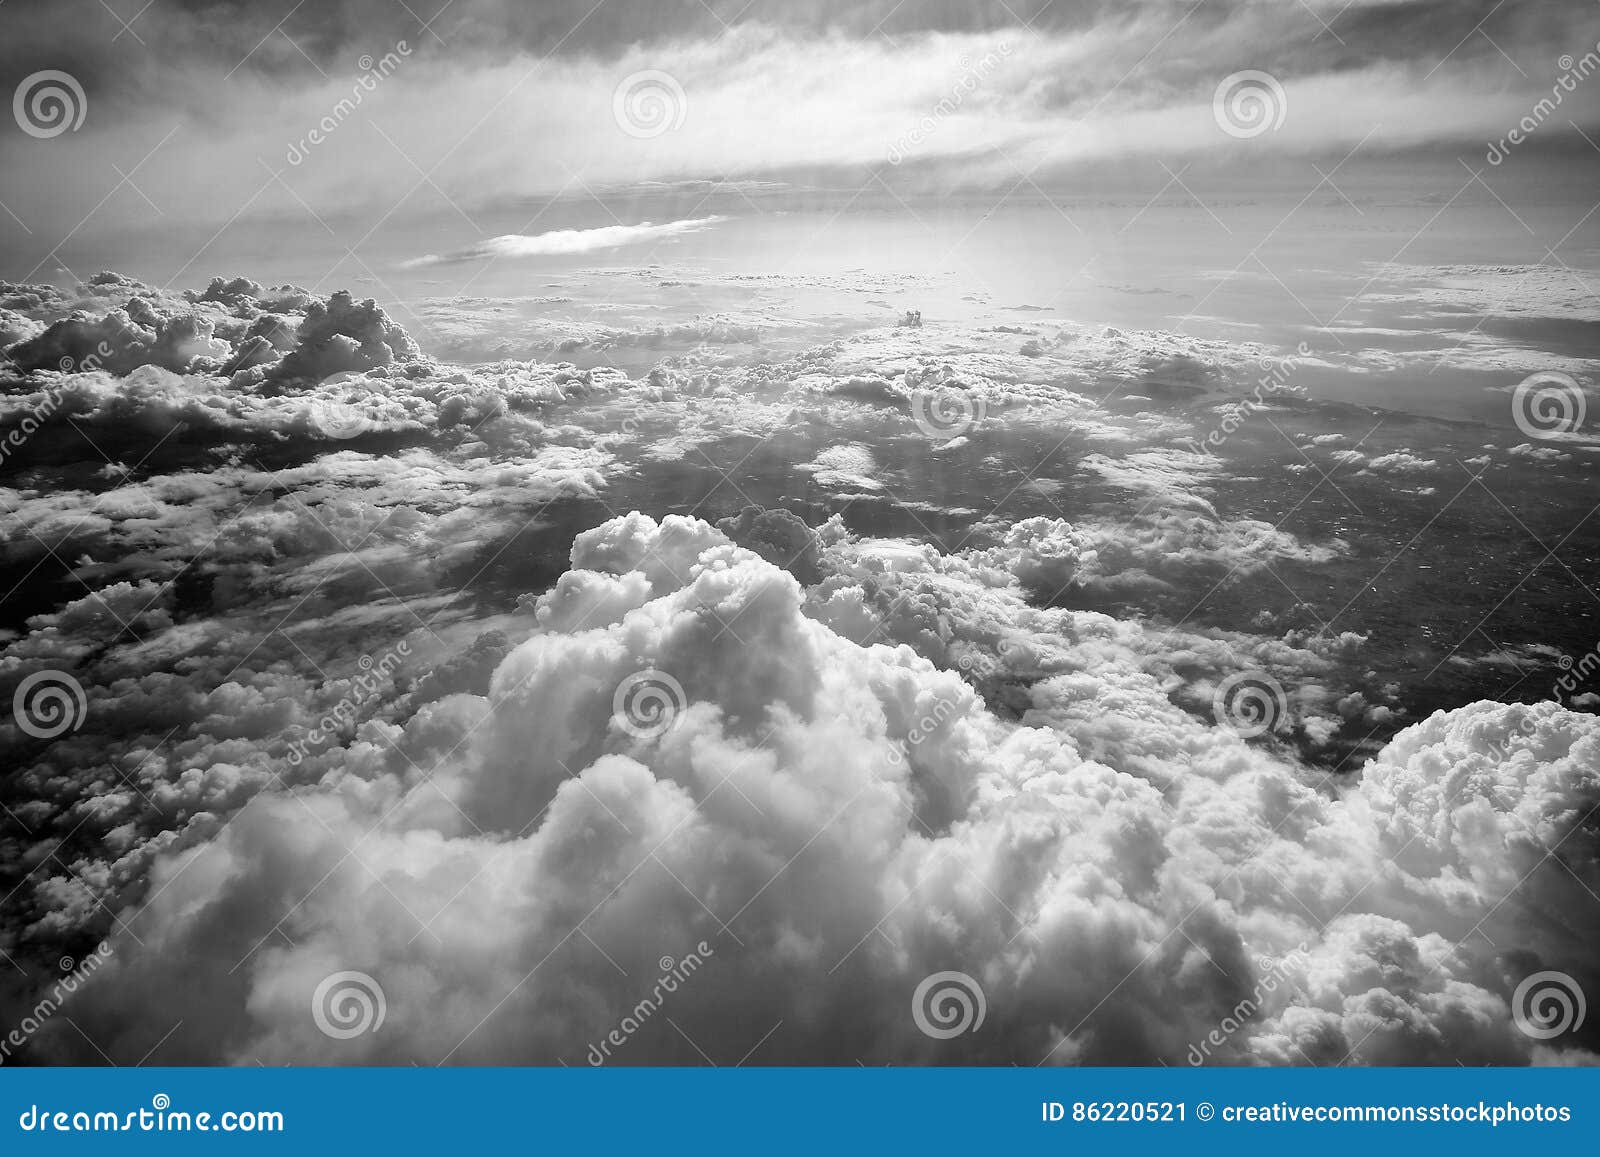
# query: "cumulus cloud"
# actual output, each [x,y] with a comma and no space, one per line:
[1116,878]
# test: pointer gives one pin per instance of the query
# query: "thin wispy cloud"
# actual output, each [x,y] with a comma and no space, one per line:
[564,242]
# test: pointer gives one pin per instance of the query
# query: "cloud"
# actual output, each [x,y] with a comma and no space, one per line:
[840,820]
[802,94]
[886,757]
[567,241]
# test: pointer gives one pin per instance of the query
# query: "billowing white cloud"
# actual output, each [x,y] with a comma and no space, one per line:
[837,821]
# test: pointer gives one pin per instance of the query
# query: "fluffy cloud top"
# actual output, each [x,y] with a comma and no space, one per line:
[840,820]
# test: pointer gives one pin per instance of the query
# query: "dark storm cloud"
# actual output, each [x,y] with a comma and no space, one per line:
[120,47]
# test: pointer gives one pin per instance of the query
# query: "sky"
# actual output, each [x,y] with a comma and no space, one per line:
[196,116]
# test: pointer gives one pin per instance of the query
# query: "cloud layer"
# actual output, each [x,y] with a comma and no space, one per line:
[1116,874]
[561,242]
[507,106]
[348,709]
